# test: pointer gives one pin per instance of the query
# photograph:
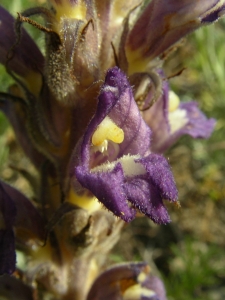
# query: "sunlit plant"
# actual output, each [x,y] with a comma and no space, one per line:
[94,116]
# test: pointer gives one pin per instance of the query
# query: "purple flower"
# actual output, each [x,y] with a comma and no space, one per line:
[115,163]
[163,23]
[169,120]
[16,211]
[23,62]
[127,281]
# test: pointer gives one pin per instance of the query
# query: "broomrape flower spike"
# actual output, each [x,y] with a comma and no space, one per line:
[95,142]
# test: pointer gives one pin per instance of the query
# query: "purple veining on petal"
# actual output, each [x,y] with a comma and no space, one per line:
[164,22]
[158,118]
[116,101]
[112,186]
[26,55]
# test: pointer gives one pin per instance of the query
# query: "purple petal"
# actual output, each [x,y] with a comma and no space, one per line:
[146,193]
[7,208]
[119,282]
[214,15]
[100,184]
[27,219]
[7,243]
[107,285]
[158,171]
[146,197]
[157,119]
[16,211]
[7,251]
[27,56]
[128,174]
[116,101]
[155,284]
[167,127]
[198,125]
[164,22]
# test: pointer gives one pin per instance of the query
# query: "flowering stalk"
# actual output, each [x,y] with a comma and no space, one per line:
[96,142]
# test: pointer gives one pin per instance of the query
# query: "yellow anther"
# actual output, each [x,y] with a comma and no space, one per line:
[174,101]
[107,130]
[142,277]
[136,291]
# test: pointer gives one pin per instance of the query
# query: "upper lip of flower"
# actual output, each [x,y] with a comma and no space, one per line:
[162,23]
[138,277]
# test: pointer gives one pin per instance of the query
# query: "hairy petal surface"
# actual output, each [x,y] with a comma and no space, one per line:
[126,174]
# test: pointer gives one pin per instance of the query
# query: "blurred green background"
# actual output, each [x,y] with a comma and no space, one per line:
[188,253]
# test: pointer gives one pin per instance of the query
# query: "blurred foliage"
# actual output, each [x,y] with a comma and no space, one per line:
[196,271]
[196,267]
[194,262]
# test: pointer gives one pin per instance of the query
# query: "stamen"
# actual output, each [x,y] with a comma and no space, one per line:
[107,130]
[177,117]
[174,101]
[136,292]
[102,148]
[141,277]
